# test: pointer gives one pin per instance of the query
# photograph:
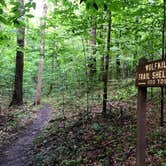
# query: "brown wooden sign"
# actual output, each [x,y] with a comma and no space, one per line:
[151,74]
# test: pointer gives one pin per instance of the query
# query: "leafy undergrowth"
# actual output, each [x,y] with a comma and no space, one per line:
[93,140]
[12,120]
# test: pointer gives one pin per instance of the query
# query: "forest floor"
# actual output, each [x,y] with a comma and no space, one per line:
[90,139]
[20,150]
[74,136]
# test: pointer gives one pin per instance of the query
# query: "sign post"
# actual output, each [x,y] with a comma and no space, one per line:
[148,74]
[141,123]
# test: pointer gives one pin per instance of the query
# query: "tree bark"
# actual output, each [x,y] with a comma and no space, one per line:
[92,58]
[163,56]
[102,61]
[41,62]
[17,98]
[118,72]
[107,58]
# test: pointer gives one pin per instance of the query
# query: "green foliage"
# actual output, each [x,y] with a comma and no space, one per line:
[39,160]
[96,126]
[71,163]
[67,33]
[2,2]
[39,139]
[98,138]
[162,153]
[136,32]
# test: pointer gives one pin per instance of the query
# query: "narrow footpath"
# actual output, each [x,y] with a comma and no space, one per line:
[20,152]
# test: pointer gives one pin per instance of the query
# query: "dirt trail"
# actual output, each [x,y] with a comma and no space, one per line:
[20,152]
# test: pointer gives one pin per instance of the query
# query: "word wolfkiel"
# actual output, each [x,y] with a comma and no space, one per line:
[155,66]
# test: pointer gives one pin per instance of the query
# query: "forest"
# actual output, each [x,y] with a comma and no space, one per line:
[69,94]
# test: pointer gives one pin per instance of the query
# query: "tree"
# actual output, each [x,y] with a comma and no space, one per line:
[17,98]
[92,58]
[107,58]
[41,62]
[163,56]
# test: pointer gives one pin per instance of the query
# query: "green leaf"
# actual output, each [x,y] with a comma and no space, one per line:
[2,2]
[28,5]
[15,4]
[30,15]
[1,11]
[95,6]
[3,20]
[81,1]
[34,5]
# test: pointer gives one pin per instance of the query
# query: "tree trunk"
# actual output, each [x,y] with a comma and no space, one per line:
[41,62]
[118,72]
[118,60]
[107,65]
[102,52]
[137,22]
[17,98]
[53,58]
[163,56]
[92,58]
